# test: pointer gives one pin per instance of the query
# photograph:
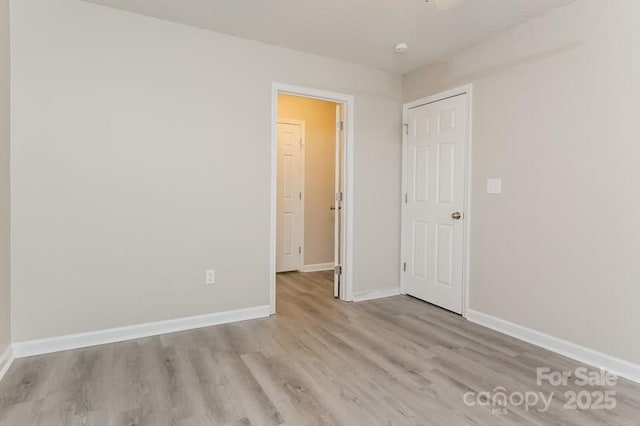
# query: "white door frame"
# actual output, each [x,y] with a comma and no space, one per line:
[300,222]
[347,101]
[468,90]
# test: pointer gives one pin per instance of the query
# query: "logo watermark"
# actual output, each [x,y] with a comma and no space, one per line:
[598,396]
[499,399]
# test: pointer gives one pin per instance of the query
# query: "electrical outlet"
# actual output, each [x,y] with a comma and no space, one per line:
[210,277]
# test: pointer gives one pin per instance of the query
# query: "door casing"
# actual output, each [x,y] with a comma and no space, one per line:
[468,90]
[347,219]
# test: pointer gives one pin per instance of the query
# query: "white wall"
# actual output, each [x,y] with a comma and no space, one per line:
[5,284]
[141,155]
[555,115]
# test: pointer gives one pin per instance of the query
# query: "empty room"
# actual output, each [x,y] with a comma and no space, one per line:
[333,212]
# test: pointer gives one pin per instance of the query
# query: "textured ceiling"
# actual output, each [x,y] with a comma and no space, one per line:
[358,31]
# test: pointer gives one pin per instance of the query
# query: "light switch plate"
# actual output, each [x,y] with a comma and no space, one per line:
[494,186]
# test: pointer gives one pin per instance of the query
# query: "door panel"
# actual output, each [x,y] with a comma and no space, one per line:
[421,249]
[289,204]
[444,254]
[446,173]
[288,234]
[433,240]
[421,174]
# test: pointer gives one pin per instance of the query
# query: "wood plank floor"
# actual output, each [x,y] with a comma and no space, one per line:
[394,361]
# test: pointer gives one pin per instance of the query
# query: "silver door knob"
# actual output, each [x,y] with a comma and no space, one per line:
[456,216]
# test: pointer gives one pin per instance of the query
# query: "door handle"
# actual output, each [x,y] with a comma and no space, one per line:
[456,216]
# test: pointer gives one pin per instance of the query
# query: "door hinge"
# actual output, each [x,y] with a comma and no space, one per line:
[406,198]
[404,267]
[340,125]
[338,270]
[300,250]
[338,196]
[406,128]
[300,196]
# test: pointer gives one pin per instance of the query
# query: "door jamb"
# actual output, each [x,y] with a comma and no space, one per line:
[348,102]
[466,252]
[300,225]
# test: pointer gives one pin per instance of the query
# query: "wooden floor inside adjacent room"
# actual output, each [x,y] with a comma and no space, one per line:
[394,361]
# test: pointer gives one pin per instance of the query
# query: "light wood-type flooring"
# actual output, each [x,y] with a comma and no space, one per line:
[320,361]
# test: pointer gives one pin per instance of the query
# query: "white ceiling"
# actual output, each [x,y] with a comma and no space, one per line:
[358,31]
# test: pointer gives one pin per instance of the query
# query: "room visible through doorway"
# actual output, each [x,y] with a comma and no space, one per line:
[308,200]
[309,189]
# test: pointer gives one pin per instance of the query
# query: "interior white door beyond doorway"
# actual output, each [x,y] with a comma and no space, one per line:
[435,208]
[290,208]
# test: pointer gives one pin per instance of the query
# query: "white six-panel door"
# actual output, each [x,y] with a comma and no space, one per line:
[433,231]
[289,201]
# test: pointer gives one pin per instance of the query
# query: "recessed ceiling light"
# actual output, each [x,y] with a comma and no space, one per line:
[401,47]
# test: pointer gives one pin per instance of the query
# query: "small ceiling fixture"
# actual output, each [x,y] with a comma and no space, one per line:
[401,47]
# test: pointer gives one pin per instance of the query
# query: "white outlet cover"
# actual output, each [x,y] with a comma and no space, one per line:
[494,186]
[210,277]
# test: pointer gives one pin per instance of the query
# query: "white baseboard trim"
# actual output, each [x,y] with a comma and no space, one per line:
[614,365]
[101,337]
[6,359]
[361,296]
[317,267]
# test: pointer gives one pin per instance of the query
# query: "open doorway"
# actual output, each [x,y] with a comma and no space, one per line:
[311,186]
